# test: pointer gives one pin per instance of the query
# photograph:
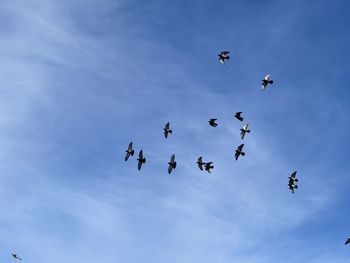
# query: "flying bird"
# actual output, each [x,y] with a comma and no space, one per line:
[238,116]
[172,164]
[239,151]
[167,130]
[200,163]
[223,56]
[16,256]
[141,160]
[347,241]
[292,181]
[266,81]
[212,122]
[129,152]
[208,166]
[244,130]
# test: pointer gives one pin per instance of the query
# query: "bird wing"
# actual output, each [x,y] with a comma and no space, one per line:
[267,77]
[236,155]
[170,168]
[242,134]
[165,133]
[139,165]
[293,174]
[221,60]
[167,125]
[263,86]
[347,241]
[224,52]
[127,155]
[141,155]
[172,158]
[130,146]
[240,147]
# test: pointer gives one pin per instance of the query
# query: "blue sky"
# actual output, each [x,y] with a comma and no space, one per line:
[81,79]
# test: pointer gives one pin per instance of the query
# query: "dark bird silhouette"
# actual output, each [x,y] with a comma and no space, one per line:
[239,151]
[200,163]
[208,166]
[223,56]
[172,164]
[238,116]
[212,122]
[141,160]
[167,130]
[16,256]
[292,181]
[129,152]
[244,130]
[347,241]
[266,81]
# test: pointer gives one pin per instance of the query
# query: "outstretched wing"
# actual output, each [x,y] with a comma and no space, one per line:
[267,77]
[236,155]
[141,155]
[264,85]
[293,174]
[170,168]
[166,133]
[167,125]
[127,155]
[242,134]
[172,158]
[130,146]
[139,165]
[347,241]
[225,53]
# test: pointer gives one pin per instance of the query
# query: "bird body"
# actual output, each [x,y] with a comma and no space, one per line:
[200,163]
[141,160]
[223,56]
[208,166]
[172,164]
[266,81]
[129,152]
[167,130]
[212,122]
[239,151]
[16,256]
[244,130]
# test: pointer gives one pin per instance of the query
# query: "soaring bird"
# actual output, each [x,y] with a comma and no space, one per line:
[172,164]
[347,241]
[16,256]
[266,81]
[208,166]
[167,130]
[223,56]
[129,152]
[238,116]
[212,122]
[200,163]
[239,151]
[141,160]
[244,130]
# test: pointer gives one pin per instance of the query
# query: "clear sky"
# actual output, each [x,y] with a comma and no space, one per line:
[81,79]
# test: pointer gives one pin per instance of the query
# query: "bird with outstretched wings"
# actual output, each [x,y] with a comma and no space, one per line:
[141,160]
[129,151]
[172,164]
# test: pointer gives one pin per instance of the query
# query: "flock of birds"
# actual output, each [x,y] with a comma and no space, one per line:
[207,166]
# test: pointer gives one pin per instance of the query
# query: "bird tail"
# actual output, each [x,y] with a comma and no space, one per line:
[296,187]
[248,131]
[174,165]
[271,81]
[242,153]
[144,160]
[170,131]
[132,153]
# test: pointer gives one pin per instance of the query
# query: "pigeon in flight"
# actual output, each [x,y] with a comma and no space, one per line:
[347,241]
[167,130]
[208,166]
[238,116]
[244,130]
[200,163]
[266,81]
[239,151]
[141,160]
[129,152]
[212,122]
[292,181]
[172,164]
[16,256]
[223,56]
